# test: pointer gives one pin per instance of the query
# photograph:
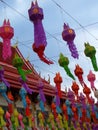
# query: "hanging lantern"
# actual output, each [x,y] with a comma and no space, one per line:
[75,88]
[58,81]
[63,62]
[51,121]
[36,16]
[79,72]
[2,122]
[64,108]
[20,117]
[82,101]
[68,35]
[8,119]
[90,52]
[6,33]
[16,114]
[87,91]
[18,63]
[57,101]
[41,103]
[41,93]
[10,105]
[23,93]
[53,108]
[41,120]
[28,101]
[91,78]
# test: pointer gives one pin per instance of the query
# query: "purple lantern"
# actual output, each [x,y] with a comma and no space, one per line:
[68,35]
[36,16]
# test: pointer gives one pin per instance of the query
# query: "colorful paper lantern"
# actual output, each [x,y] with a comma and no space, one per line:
[41,103]
[18,63]
[27,110]
[79,72]
[25,121]
[63,62]
[91,78]
[68,35]
[16,114]
[2,122]
[51,120]
[8,118]
[87,91]
[90,52]
[58,81]
[41,120]
[36,15]
[69,111]
[56,100]
[82,101]
[41,97]
[40,86]
[53,108]
[20,117]
[23,93]
[71,98]
[10,105]
[75,88]
[6,33]
[13,122]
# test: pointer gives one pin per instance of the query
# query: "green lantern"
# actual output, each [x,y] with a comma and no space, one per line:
[90,52]
[18,63]
[64,62]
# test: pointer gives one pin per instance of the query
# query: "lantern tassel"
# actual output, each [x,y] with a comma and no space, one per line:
[45,59]
[94,63]
[73,49]
[69,72]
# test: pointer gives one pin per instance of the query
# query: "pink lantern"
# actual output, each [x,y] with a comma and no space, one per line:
[91,78]
[6,33]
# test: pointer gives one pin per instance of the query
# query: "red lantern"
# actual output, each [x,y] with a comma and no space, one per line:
[6,33]
[28,101]
[53,107]
[87,91]
[58,81]
[75,88]
[79,72]
[64,108]
[10,105]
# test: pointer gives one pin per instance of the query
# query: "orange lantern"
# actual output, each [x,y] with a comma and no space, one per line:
[58,81]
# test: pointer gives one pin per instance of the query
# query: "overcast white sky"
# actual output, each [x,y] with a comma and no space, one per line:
[83,11]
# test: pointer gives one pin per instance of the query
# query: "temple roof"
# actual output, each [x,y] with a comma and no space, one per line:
[12,76]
